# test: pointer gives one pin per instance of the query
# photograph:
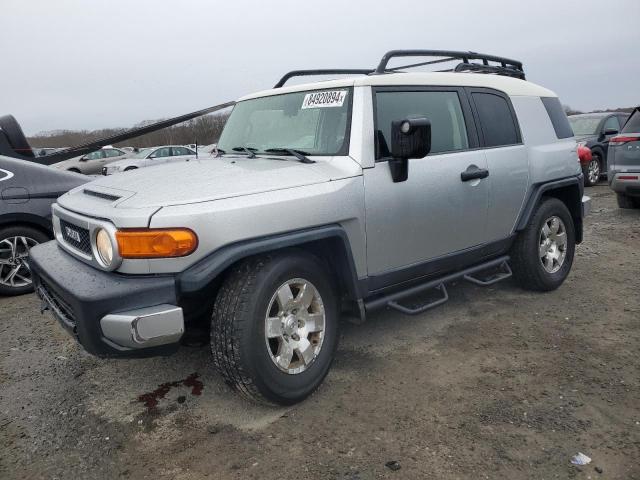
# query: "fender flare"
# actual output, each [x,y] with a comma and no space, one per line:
[206,270]
[539,190]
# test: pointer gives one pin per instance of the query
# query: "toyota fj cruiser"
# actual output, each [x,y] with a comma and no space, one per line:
[332,198]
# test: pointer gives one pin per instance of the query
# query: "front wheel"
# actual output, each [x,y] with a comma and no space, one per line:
[15,242]
[543,252]
[592,171]
[274,328]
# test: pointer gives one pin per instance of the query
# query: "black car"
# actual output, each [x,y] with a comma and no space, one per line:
[594,130]
[27,191]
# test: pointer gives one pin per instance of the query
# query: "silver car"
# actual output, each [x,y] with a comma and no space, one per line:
[150,157]
[92,163]
[325,200]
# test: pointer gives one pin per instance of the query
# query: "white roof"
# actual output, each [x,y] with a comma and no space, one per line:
[510,86]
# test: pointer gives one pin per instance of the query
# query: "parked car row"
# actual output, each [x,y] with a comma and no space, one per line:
[109,160]
[594,131]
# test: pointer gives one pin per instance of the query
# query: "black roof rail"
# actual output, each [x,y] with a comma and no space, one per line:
[329,71]
[502,66]
[511,68]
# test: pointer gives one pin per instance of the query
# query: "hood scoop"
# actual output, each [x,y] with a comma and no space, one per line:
[102,195]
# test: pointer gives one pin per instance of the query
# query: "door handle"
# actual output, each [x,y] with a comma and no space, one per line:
[472,172]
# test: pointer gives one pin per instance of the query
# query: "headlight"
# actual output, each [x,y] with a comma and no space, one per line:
[104,247]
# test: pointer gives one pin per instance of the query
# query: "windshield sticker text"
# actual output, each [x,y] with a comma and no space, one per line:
[333,98]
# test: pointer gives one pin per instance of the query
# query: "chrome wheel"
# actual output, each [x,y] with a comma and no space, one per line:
[294,325]
[594,171]
[14,270]
[553,244]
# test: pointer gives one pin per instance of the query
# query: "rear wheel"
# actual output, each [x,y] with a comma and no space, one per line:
[625,201]
[543,253]
[15,242]
[274,327]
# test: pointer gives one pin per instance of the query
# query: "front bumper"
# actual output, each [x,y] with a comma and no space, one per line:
[110,315]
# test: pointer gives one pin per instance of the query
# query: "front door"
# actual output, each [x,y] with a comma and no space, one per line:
[435,212]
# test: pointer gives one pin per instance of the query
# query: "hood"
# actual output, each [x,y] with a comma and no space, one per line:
[210,179]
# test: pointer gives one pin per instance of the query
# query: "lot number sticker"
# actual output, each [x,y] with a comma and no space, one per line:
[332,98]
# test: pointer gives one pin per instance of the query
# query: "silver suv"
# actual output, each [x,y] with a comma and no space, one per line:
[326,200]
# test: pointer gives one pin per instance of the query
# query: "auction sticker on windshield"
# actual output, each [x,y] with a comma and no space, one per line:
[332,98]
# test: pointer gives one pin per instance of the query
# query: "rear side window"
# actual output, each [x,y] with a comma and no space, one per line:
[633,124]
[448,129]
[497,123]
[557,116]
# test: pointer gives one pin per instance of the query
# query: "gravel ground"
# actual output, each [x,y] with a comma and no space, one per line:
[497,383]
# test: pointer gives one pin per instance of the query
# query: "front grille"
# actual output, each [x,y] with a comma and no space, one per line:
[61,309]
[75,236]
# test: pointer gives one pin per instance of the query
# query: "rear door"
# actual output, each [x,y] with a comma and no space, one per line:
[506,158]
[433,213]
[181,154]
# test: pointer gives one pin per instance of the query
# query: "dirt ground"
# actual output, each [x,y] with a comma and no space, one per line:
[497,383]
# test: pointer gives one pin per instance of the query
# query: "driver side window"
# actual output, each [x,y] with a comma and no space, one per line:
[162,152]
[448,129]
[612,122]
[94,155]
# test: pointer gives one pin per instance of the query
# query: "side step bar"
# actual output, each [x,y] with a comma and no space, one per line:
[467,274]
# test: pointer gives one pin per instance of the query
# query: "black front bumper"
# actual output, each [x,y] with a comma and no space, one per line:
[79,296]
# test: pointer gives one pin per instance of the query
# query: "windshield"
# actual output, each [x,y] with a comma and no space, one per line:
[314,122]
[142,153]
[584,125]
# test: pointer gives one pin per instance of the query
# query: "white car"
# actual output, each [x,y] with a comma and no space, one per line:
[149,157]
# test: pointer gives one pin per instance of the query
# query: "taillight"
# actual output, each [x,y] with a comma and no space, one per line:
[627,177]
[622,139]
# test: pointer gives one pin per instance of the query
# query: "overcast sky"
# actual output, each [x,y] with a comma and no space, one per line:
[91,64]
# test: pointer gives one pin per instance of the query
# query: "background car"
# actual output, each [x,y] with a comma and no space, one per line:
[593,130]
[27,191]
[150,157]
[92,163]
[624,163]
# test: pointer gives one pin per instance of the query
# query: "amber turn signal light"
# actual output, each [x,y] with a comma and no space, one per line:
[156,242]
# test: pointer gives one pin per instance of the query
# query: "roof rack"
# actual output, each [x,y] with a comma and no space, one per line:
[502,66]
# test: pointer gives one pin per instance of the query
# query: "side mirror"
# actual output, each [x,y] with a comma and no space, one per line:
[153,155]
[84,159]
[410,138]
[610,131]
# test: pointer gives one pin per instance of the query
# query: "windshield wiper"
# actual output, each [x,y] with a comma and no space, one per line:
[299,154]
[250,151]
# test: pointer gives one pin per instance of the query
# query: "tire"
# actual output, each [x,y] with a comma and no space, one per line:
[527,252]
[625,201]
[128,169]
[15,136]
[20,283]
[592,171]
[243,354]
[74,170]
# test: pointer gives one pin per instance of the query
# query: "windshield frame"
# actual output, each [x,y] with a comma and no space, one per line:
[342,152]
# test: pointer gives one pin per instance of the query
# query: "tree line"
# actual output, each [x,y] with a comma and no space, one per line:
[203,130]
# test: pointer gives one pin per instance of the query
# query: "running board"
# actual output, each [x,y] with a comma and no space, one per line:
[392,300]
